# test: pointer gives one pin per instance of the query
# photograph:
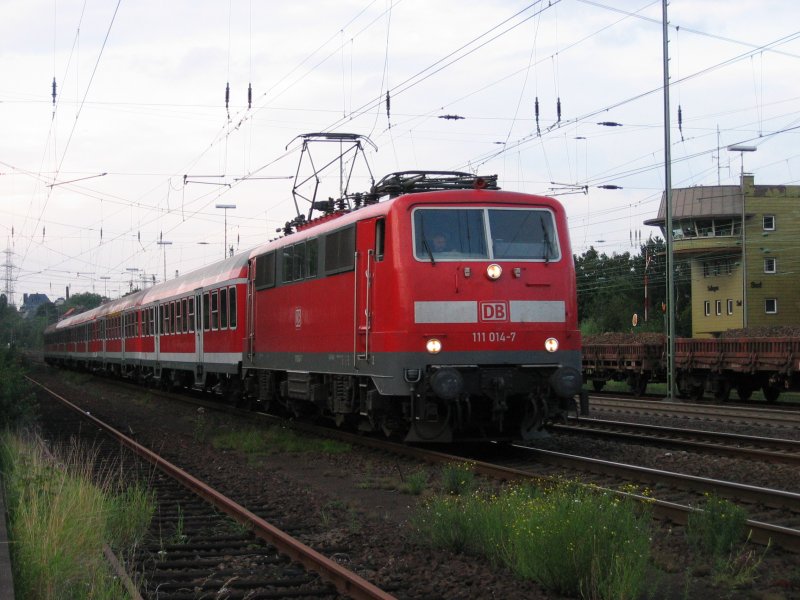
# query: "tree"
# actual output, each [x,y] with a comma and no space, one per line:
[84,300]
[611,289]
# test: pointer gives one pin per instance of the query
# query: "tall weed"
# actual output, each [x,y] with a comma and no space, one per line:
[571,540]
[60,518]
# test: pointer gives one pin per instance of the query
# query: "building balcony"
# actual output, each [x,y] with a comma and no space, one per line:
[689,246]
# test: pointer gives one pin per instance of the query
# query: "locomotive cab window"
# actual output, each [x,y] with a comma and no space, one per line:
[477,233]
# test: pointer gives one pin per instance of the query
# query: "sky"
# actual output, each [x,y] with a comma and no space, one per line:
[138,146]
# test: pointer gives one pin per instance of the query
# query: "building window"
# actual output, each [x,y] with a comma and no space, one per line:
[770,265]
[771,306]
[718,307]
[730,306]
[769,222]
[707,307]
[705,269]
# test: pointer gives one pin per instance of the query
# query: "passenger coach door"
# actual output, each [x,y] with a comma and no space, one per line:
[198,334]
[364,293]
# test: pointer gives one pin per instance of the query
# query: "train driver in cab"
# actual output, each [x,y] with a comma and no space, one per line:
[440,243]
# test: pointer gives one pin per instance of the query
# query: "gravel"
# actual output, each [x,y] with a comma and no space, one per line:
[349,507]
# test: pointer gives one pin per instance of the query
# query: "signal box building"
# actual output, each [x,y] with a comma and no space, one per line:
[740,277]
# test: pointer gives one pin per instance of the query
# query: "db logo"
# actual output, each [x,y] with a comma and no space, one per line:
[494,311]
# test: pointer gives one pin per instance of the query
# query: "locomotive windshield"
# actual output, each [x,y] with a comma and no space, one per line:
[462,233]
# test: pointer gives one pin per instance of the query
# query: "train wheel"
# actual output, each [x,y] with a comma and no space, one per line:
[638,384]
[696,392]
[771,392]
[598,384]
[744,390]
[722,390]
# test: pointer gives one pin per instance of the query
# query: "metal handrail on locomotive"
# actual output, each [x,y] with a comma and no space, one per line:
[439,307]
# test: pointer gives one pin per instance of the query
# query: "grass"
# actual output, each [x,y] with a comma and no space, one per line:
[274,440]
[17,401]
[719,532]
[414,483]
[61,514]
[571,540]
[458,478]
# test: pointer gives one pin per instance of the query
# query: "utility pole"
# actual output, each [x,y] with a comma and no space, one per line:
[8,277]
[668,208]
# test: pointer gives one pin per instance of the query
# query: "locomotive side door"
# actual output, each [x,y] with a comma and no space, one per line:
[364,289]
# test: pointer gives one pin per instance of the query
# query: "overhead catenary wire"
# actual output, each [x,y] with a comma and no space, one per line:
[395,112]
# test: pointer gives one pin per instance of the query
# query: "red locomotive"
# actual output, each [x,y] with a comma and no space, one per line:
[446,310]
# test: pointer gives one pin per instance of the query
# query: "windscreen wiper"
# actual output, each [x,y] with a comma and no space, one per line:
[428,250]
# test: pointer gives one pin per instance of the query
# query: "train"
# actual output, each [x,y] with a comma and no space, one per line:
[436,307]
[767,359]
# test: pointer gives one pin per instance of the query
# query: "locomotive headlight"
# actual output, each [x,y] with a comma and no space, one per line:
[551,344]
[433,346]
[493,271]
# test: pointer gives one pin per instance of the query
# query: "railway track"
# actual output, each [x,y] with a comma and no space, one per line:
[737,414]
[775,514]
[765,449]
[198,549]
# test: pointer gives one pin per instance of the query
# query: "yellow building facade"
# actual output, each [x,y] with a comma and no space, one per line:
[740,278]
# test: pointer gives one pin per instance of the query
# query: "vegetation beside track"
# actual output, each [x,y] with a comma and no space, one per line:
[569,539]
[17,401]
[578,541]
[61,513]
[271,440]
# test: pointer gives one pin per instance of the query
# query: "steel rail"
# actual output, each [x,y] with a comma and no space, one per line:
[761,533]
[346,582]
[740,413]
[782,450]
